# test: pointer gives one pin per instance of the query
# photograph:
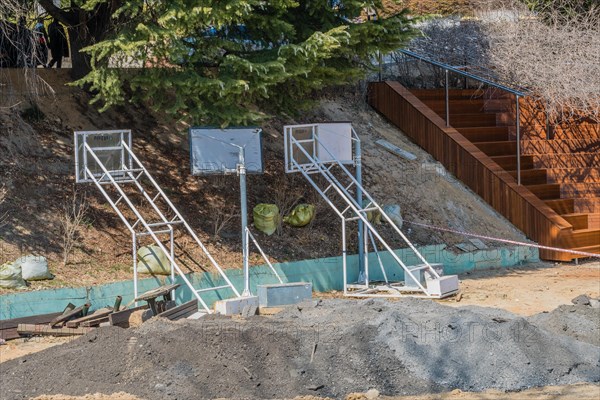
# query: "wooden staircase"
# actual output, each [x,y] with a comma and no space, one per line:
[562,173]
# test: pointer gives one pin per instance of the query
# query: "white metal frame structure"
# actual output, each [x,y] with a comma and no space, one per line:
[241,170]
[341,190]
[164,218]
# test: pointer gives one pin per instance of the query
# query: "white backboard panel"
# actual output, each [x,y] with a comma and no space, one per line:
[333,143]
[216,151]
[108,147]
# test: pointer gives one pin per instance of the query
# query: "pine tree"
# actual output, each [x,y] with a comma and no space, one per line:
[226,62]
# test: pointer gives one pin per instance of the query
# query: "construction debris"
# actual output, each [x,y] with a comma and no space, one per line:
[395,150]
[72,314]
[45,330]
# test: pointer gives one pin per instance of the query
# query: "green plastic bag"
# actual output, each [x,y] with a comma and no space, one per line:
[11,277]
[373,216]
[301,215]
[152,260]
[266,217]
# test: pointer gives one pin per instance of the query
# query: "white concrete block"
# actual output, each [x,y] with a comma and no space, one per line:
[235,305]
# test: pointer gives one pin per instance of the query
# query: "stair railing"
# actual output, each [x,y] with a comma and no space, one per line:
[518,93]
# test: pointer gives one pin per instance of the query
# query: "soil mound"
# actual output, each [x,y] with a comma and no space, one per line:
[577,321]
[323,348]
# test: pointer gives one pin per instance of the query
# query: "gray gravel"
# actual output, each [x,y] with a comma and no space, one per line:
[323,348]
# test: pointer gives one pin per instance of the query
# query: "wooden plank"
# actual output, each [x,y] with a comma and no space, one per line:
[8,327]
[121,318]
[485,134]
[182,311]
[103,312]
[45,330]
[547,191]
[94,322]
[71,314]
[159,291]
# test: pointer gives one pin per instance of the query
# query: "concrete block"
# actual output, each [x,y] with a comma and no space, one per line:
[421,274]
[236,305]
[444,286]
[282,294]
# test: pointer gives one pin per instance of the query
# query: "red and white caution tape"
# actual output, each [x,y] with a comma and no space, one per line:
[437,228]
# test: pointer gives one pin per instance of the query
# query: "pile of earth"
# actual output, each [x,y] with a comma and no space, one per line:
[323,348]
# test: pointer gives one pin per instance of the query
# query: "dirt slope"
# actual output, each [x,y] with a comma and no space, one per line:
[36,168]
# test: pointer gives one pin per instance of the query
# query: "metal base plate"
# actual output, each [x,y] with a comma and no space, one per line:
[390,290]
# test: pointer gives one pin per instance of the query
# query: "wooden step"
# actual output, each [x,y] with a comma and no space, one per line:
[562,206]
[587,205]
[560,146]
[425,94]
[587,249]
[586,237]
[575,175]
[594,220]
[548,191]
[531,176]
[568,160]
[457,106]
[509,163]
[485,134]
[504,148]
[575,131]
[580,190]
[476,119]
[578,220]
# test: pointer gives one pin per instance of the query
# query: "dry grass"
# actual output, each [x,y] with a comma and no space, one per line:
[554,53]
[3,215]
[71,221]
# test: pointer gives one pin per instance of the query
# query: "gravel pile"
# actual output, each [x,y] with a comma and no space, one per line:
[323,348]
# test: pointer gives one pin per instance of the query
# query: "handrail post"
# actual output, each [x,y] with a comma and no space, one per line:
[359,200]
[447,98]
[518,124]
[380,65]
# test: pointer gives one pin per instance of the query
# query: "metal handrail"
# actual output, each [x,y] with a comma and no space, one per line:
[448,68]
[519,93]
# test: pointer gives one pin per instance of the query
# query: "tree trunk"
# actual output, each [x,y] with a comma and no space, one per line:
[80,62]
[85,28]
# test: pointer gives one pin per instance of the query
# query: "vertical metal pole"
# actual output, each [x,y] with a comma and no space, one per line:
[548,128]
[380,65]
[359,200]
[366,247]
[518,123]
[344,251]
[135,271]
[85,166]
[244,215]
[447,89]
[172,243]
[122,153]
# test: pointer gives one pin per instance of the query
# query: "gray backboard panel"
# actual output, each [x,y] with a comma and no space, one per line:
[216,151]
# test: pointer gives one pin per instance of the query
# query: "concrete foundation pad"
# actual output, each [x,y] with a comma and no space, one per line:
[235,305]
[282,294]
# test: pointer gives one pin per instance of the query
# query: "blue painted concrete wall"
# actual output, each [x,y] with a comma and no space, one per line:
[325,274]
